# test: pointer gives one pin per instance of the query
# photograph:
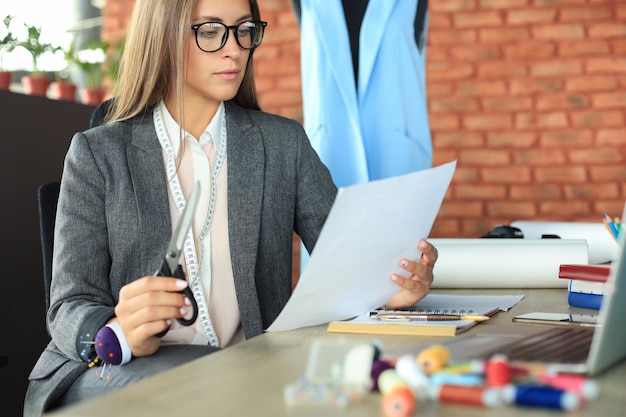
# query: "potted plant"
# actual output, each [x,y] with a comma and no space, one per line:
[90,60]
[37,82]
[62,87]
[7,44]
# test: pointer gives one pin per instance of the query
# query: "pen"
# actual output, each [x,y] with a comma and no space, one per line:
[412,316]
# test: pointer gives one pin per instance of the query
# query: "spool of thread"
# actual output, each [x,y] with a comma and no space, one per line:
[468,380]
[541,397]
[399,402]
[469,367]
[409,370]
[498,371]
[466,395]
[378,366]
[434,358]
[587,389]
[388,380]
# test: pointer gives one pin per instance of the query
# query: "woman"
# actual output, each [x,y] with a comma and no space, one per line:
[185,111]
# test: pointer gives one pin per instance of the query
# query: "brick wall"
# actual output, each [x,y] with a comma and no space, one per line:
[528,95]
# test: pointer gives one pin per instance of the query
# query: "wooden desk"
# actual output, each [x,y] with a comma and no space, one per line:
[248,379]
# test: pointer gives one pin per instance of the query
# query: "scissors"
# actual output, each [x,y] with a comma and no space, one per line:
[170,266]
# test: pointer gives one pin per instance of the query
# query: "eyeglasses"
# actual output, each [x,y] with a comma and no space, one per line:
[212,36]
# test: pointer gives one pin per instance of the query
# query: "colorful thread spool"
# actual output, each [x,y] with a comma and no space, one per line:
[377,368]
[468,380]
[587,389]
[469,367]
[434,358]
[476,396]
[541,397]
[388,380]
[498,371]
[409,370]
[399,402]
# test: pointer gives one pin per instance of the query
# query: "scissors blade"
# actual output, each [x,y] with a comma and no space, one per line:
[182,228]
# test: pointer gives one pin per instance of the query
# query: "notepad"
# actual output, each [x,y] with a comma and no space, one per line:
[432,304]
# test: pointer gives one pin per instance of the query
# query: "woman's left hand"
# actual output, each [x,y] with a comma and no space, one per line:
[416,286]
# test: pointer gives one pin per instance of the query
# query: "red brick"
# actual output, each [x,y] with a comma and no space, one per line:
[529,51]
[558,31]
[555,3]
[441,157]
[499,69]
[615,173]
[479,19]
[541,120]
[437,89]
[539,157]
[466,175]
[581,14]
[564,210]
[445,71]
[560,174]
[536,85]
[588,83]
[607,30]
[475,228]
[481,192]
[451,5]
[452,37]
[507,104]
[453,105]
[504,35]
[556,68]
[591,191]
[445,228]
[566,138]
[618,46]
[444,122]
[484,157]
[482,88]
[530,16]
[439,21]
[487,122]
[562,101]
[611,137]
[584,47]
[458,139]
[511,139]
[507,175]
[597,118]
[499,4]
[461,208]
[477,53]
[609,100]
[595,156]
[536,192]
[605,65]
[512,209]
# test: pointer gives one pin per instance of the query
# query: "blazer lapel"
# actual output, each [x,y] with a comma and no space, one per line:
[373,27]
[246,165]
[150,187]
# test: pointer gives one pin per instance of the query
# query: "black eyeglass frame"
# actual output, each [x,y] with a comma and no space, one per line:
[228,29]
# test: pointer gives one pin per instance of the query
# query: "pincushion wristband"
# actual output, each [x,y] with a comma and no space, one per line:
[111,345]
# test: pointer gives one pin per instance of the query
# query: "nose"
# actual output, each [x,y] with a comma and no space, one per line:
[231,47]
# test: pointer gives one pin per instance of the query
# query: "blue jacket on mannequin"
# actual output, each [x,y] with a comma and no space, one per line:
[376,126]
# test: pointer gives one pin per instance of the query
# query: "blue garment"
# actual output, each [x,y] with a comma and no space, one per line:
[382,129]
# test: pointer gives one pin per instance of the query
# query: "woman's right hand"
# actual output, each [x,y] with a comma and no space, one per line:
[146,307]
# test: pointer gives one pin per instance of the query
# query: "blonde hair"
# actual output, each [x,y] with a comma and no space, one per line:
[151,63]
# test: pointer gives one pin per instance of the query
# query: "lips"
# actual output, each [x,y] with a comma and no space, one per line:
[229,74]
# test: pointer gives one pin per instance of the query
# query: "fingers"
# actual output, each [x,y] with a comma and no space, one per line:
[146,307]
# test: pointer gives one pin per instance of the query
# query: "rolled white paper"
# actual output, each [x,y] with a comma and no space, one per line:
[505,263]
[602,247]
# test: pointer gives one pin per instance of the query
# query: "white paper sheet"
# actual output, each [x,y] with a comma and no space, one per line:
[505,263]
[369,228]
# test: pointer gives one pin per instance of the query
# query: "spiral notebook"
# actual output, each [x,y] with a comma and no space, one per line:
[432,304]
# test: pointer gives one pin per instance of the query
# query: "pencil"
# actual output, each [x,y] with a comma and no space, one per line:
[412,316]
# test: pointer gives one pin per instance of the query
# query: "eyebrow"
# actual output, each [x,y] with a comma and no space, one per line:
[207,18]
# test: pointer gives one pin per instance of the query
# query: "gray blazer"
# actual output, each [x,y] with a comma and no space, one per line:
[113,226]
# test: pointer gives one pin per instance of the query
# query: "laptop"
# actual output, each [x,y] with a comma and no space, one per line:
[602,346]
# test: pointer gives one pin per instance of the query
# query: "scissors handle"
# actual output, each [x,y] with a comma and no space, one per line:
[165,271]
